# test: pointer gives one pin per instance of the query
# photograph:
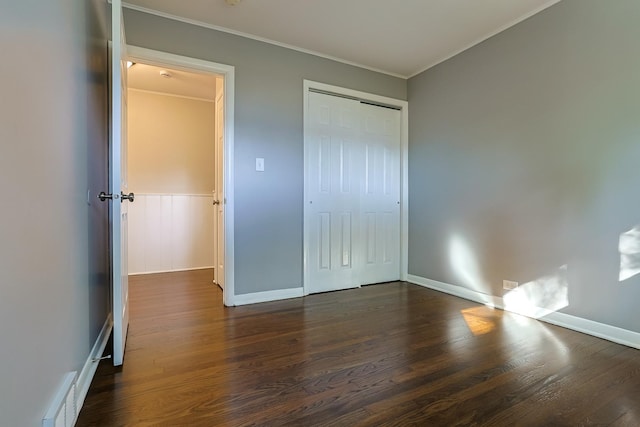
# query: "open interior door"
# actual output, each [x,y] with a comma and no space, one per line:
[219,197]
[119,190]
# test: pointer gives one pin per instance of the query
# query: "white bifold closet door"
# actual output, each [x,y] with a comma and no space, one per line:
[352,220]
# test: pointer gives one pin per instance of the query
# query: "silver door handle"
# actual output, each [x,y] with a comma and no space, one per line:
[128,197]
[104,196]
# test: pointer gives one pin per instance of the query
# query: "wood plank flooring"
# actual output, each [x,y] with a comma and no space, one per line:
[393,354]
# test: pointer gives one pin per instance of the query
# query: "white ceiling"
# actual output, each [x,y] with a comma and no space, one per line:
[182,83]
[398,37]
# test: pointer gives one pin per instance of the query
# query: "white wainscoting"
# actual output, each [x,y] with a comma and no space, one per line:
[170,232]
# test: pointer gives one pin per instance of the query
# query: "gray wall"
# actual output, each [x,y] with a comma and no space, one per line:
[268,124]
[53,263]
[527,147]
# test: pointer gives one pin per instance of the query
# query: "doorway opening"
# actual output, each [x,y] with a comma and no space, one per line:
[180,146]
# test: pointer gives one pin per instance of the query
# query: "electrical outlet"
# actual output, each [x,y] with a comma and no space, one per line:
[509,285]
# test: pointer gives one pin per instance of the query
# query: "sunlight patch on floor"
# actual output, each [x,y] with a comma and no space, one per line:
[629,247]
[540,297]
[481,320]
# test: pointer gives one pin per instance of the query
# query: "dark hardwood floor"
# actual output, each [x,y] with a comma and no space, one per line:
[391,354]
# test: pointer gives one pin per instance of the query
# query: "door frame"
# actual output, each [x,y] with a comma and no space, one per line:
[404,175]
[160,58]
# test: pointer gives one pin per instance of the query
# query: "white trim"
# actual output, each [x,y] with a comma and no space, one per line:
[59,409]
[179,62]
[404,193]
[457,291]
[154,92]
[175,270]
[229,186]
[305,185]
[404,170]
[483,38]
[579,324]
[90,366]
[256,38]
[392,102]
[155,57]
[600,330]
[279,294]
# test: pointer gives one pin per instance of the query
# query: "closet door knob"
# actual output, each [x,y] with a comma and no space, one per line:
[128,197]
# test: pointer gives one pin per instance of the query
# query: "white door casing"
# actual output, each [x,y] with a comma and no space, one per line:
[118,166]
[355,190]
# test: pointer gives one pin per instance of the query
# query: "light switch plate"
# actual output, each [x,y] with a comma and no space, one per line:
[259,164]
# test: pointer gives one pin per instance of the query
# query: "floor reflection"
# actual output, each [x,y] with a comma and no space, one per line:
[481,320]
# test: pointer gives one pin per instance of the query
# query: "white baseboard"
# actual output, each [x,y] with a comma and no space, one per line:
[579,324]
[266,296]
[457,291]
[140,273]
[90,366]
[600,330]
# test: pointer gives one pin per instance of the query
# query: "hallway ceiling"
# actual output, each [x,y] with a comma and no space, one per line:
[182,83]
[398,37]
